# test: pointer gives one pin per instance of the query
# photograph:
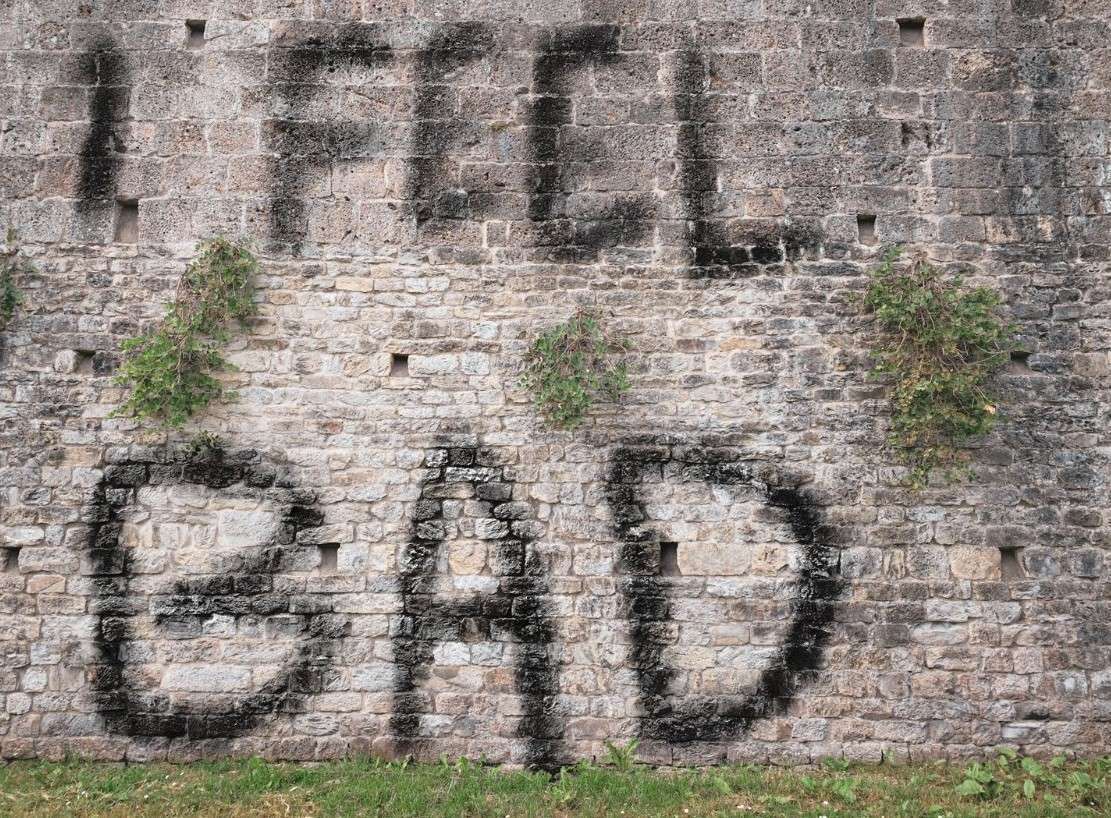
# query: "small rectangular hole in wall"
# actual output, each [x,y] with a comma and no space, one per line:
[195,38]
[83,364]
[399,365]
[866,229]
[912,32]
[669,559]
[329,558]
[127,221]
[1020,361]
[1010,563]
[473,630]
[9,560]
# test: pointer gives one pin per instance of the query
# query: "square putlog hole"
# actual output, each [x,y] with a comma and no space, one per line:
[866,229]
[1010,564]
[83,361]
[912,32]
[329,558]
[669,559]
[9,560]
[127,221]
[1020,361]
[195,34]
[399,365]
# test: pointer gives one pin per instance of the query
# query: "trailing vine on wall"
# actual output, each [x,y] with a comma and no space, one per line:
[169,368]
[11,263]
[571,366]
[940,343]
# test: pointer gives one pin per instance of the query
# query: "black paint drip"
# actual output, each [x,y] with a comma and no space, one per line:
[247,590]
[307,147]
[517,610]
[562,54]
[713,252]
[708,718]
[104,68]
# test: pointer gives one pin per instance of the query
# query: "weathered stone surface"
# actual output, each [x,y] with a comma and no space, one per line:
[971,562]
[424,192]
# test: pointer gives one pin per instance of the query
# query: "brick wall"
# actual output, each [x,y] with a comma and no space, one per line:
[725,564]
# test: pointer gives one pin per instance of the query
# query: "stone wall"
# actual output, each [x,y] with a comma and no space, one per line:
[393,554]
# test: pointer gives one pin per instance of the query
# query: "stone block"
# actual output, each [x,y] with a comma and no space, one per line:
[974,562]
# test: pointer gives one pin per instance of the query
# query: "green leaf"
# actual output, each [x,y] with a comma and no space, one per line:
[978,772]
[720,785]
[1028,788]
[970,788]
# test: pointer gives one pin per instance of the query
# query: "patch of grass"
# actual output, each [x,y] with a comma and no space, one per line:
[253,789]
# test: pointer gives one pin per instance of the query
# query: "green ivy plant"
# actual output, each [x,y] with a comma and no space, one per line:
[169,368]
[570,366]
[11,263]
[940,343]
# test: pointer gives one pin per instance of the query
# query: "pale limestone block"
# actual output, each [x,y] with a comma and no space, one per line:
[202,679]
[134,535]
[769,558]
[467,557]
[355,284]
[433,364]
[243,529]
[711,559]
[974,562]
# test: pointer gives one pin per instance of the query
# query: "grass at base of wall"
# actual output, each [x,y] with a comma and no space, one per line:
[253,789]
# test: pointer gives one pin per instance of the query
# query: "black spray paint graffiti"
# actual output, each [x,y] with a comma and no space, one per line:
[105,69]
[459,474]
[306,147]
[436,130]
[714,253]
[516,612]
[563,54]
[243,587]
[708,718]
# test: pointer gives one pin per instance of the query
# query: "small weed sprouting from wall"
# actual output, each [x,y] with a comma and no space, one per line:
[10,264]
[204,445]
[569,367]
[621,757]
[941,343]
[168,369]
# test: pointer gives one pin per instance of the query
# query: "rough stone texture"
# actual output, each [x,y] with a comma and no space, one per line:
[440,180]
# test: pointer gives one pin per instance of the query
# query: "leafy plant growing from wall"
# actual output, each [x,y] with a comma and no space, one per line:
[204,445]
[11,263]
[169,369]
[941,341]
[570,366]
